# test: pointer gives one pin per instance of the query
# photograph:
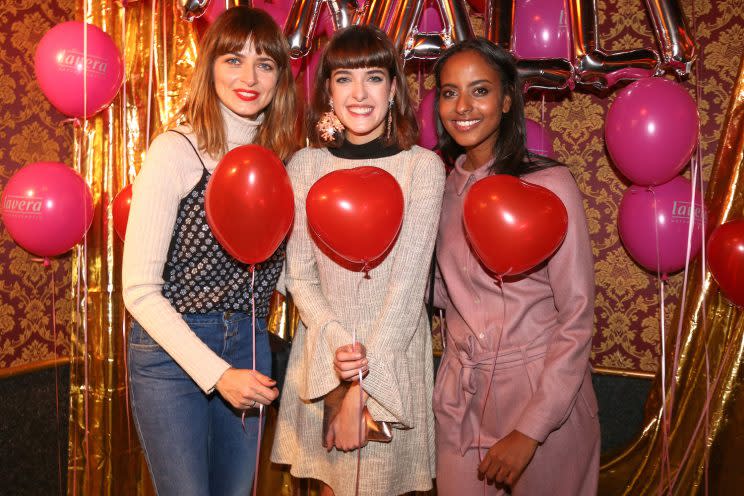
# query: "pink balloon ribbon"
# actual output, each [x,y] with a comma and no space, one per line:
[500,284]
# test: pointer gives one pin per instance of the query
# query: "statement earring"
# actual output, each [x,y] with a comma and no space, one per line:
[389,118]
[329,125]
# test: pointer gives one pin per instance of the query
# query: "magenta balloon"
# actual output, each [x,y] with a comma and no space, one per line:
[47,208]
[651,130]
[59,64]
[277,9]
[427,126]
[213,11]
[431,20]
[538,139]
[638,221]
[541,30]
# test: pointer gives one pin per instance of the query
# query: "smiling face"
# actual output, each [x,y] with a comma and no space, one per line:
[360,98]
[471,104]
[245,81]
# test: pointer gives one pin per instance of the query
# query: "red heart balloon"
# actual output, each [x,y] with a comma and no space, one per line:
[249,203]
[726,259]
[478,5]
[120,206]
[356,213]
[513,225]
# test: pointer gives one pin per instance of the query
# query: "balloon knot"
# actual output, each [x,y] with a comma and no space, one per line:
[665,277]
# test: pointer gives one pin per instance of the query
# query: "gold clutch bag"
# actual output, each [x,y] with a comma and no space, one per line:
[377,431]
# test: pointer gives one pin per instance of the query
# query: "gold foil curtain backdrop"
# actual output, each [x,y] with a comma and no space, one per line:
[706,432]
[158,48]
[626,334]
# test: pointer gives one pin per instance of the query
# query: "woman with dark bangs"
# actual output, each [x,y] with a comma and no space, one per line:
[514,402]
[190,347]
[361,115]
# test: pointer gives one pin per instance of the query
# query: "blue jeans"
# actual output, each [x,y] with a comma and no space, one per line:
[194,443]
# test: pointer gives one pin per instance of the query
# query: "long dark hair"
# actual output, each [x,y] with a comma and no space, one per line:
[510,151]
[353,48]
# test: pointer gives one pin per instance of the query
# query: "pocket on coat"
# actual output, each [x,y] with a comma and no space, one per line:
[589,398]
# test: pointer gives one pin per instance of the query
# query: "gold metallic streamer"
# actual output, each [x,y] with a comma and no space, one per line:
[709,321]
[111,151]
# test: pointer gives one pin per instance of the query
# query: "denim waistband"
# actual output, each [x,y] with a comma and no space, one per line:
[225,317]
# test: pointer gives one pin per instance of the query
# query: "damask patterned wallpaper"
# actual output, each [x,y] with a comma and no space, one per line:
[627,304]
[31,130]
[627,323]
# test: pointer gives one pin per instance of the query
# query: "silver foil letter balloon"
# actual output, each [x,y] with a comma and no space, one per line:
[191,9]
[677,47]
[303,19]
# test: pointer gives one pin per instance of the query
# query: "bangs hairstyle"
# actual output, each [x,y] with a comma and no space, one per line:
[358,47]
[510,151]
[229,34]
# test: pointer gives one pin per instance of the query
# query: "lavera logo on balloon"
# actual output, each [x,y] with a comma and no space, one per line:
[23,206]
[72,61]
[681,211]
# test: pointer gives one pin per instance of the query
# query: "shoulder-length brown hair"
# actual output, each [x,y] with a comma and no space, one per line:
[359,47]
[229,33]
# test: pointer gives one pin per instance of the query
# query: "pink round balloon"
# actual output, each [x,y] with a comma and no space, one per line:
[427,124]
[47,208]
[651,130]
[538,139]
[541,30]
[638,222]
[59,63]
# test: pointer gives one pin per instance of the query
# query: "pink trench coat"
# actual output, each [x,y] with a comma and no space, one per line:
[541,383]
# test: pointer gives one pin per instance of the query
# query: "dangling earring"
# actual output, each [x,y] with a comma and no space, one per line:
[389,118]
[329,125]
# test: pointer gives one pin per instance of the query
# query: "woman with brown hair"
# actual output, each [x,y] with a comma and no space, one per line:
[190,348]
[361,115]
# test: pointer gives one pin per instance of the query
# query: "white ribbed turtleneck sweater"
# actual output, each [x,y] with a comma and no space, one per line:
[170,171]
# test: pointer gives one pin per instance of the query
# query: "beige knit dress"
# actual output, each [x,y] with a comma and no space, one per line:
[388,313]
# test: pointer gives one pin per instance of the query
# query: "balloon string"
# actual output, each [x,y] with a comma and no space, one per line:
[698,166]
[150,71]
[76,154]
[86,439]
[361,385]
[683,303]
[85,60]
[728,350]
[124,98]
[500,284]
[253,364]
[704,320]
[48,263]
[124,181]
[442,328]
[665,468]
[165,62]
[86,357]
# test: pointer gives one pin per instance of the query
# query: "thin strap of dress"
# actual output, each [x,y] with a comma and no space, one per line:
[192,147]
